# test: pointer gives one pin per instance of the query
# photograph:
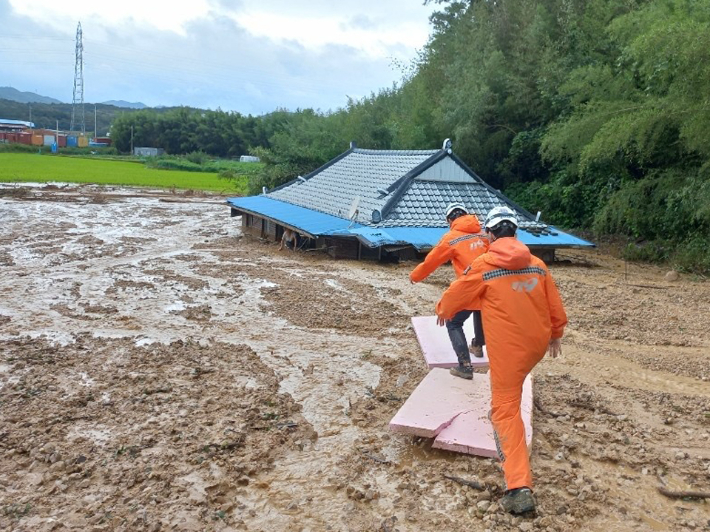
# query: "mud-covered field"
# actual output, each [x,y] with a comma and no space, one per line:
[160,371]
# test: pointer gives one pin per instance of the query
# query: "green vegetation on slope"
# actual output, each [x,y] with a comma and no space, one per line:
[20,167]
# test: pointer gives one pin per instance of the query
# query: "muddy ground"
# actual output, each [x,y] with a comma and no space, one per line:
[160,371]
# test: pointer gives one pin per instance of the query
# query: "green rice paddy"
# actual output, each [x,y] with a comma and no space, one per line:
[36,168]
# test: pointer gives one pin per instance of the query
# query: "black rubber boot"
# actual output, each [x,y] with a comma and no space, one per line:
[518,501]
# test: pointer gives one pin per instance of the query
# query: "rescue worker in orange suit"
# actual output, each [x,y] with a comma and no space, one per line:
[523,317]
[461,245]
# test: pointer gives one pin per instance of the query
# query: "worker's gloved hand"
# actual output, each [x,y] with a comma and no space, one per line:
[555,347]
[440,321]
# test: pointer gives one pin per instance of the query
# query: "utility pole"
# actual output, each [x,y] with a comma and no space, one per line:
[30,104]
[131,140]
[95,133]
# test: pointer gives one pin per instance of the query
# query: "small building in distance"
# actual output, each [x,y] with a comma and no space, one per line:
[15,131]
[106,141]
[385,204]
[249,159]
[148,152]
[15,126]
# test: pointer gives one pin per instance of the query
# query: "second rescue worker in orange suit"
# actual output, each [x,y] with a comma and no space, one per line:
[461,245]
[523,317]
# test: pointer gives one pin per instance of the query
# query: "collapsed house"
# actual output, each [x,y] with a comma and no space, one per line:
[385,204]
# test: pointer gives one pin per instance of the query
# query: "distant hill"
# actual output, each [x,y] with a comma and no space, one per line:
[47,115]
[123,103]
[11,93]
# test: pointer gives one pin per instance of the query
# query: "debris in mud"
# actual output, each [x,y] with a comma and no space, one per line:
[671,276]
[195,312]
[374,457]
[470,483]
[684,494]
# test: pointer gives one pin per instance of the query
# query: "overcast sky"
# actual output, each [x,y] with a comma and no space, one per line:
[251,56]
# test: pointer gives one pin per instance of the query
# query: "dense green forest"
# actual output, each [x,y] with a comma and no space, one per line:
[185,130]
[595,112]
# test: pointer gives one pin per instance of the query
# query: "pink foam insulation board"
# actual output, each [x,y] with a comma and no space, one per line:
[454,412]
[436,346]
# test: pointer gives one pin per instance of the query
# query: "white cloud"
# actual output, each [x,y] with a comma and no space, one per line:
[165,16]
[247,56]
[318,30]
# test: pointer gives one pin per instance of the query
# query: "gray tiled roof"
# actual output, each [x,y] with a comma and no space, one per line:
[421,203]
[424,203]
[357,175]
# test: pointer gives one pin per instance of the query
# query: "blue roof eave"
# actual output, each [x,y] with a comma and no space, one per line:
[313,224]
[425,238]
[301,219]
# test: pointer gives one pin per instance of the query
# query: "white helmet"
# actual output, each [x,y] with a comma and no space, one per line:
[500,214]
[451,207]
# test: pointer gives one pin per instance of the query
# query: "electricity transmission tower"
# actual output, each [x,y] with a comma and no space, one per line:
[78,119]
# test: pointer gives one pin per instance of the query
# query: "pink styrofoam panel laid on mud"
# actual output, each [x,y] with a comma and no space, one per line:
[436,346]
[454,412]
[472,433]
[438,398]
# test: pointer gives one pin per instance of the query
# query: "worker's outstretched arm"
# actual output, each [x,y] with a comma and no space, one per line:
[463,294]
[558,316]
[440,254]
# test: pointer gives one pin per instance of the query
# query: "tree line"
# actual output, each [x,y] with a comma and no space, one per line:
[53,115]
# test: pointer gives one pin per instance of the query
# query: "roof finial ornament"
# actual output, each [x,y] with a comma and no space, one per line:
[447,146]
[353,145]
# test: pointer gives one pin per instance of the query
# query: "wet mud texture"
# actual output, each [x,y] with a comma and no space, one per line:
[160,371]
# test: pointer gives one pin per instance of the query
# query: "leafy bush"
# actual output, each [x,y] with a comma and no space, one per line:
[656,251]
[228,173]
[693,255]
[21,148]
[173,163]
[197,157]
[89,151]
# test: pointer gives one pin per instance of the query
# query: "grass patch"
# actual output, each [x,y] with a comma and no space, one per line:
[199,162]
[19,148]
[36,168]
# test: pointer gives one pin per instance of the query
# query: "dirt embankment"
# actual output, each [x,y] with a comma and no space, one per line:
[158,371]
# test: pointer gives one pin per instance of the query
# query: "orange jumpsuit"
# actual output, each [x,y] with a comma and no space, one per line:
[461,245]
[522,311]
